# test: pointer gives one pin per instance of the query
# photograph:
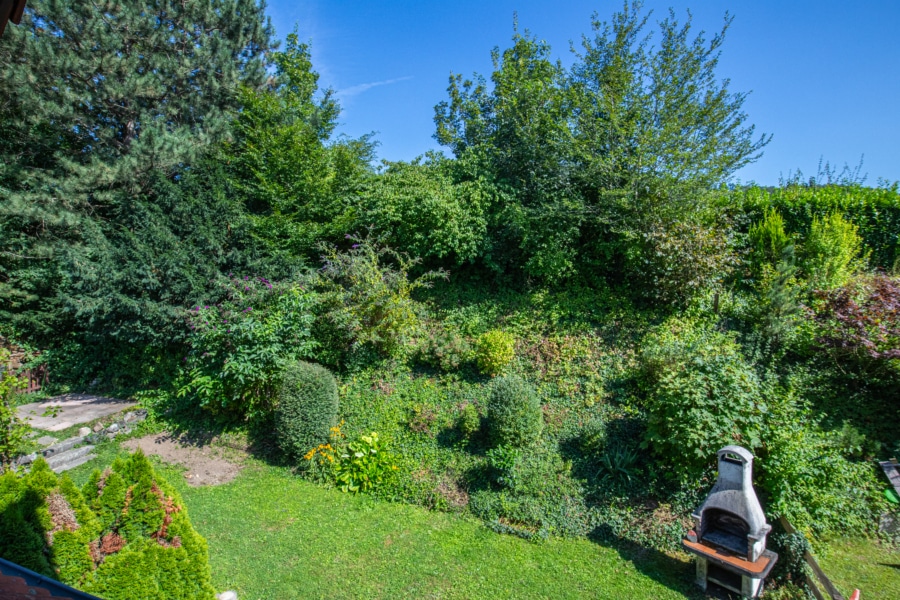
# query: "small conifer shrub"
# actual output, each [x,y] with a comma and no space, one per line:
[125,536]
[307,408]
[514,412]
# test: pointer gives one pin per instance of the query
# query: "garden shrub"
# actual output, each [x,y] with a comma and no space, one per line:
[675,260]
[364,465]
[444,348]
[124,536]
[768,239]
[833,252]
[307,408]
[469,421]
[240,345]
[367,296]
[147,547]
[875,211]
[514,412]
[701,395]
[494,350]
[807,479]
[46,524]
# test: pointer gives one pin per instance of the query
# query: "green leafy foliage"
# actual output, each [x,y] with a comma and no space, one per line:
[701,395]
[513,412]
[494,350]
[13,432]
[425,212]
[443,347]
[768,239]
[833,252]
[874,210]
[367,296]
[93,241]
[297,186]
[808,479]
[240,345]
[307,408]
[469,421]
[675,261]
[364,465]
[147,547]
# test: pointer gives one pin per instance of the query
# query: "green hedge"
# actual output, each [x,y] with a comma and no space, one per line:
[876,211]
[126,535]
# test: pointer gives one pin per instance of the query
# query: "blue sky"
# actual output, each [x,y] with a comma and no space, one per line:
[824,75]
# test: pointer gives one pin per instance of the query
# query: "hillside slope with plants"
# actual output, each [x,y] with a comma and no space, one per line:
[552,327]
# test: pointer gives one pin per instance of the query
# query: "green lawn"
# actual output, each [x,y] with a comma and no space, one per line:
[272,535]
[863,564]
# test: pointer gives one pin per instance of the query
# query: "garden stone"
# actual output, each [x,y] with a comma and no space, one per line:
[98,428]
[84,431]
[69,410]
[46,440]
[229,595]
[113,428]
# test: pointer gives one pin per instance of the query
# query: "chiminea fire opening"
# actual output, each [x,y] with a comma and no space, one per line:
[730,529]
[726,531]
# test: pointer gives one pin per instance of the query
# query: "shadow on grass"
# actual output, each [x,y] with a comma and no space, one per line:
[670,572]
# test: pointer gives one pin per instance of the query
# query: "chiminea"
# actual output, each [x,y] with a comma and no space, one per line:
[730,529]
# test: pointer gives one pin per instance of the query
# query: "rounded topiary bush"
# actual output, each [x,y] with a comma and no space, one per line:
[307,408]
[514,412]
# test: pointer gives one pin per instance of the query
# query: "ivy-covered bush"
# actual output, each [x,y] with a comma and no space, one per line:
[701,395]
[807,478]
[125,536]
[239,346]
[514,412]
[307,408]
[494,350]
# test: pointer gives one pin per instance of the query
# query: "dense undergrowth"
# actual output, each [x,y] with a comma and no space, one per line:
[554,329]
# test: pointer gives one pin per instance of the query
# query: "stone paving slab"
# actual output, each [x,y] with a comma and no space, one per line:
[73,409]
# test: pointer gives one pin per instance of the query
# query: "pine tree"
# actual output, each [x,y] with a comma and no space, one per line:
[101,107]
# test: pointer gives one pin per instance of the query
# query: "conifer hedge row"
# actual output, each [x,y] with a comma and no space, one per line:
[125,535]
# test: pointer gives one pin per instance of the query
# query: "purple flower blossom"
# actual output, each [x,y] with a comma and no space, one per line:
[347,236]
[355,246]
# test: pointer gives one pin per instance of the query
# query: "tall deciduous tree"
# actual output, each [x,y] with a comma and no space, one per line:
[605,159]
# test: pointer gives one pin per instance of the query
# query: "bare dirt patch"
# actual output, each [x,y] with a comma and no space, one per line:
[206,462]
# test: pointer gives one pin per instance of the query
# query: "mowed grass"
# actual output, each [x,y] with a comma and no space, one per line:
[864,565]
[272,535]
